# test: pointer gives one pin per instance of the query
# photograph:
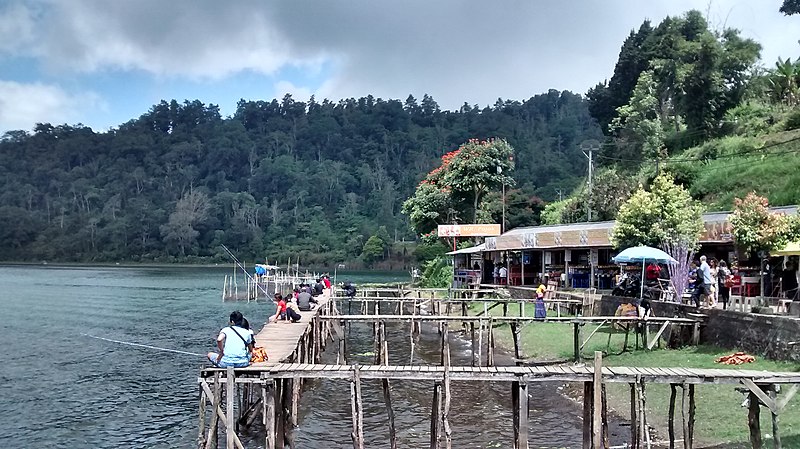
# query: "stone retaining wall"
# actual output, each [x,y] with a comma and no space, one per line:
[776,337]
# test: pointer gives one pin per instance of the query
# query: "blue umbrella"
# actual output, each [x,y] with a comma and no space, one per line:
[644,254]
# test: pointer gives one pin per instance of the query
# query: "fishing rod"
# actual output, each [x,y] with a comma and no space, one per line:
[139,345]
[244,270]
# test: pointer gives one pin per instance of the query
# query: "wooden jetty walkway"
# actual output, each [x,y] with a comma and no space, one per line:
[235,401]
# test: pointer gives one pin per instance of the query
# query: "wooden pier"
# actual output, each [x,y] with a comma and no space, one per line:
[235,401]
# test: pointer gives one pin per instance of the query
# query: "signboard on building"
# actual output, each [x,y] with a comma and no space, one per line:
[469,230]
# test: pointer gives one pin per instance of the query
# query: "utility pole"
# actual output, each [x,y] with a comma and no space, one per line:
[560,194]
[503,226]
[589,147]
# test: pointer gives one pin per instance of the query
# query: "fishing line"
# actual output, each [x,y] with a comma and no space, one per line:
[236,261]
[146,346]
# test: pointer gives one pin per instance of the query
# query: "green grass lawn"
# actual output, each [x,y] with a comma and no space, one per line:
[720,419]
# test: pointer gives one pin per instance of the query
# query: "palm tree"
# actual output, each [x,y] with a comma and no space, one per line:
[785,81]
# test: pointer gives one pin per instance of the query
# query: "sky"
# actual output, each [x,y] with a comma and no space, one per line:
[102,63]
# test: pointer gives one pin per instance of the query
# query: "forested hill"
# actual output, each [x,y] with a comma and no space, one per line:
[276,179]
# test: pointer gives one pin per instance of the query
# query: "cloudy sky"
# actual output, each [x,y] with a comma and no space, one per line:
[102,62]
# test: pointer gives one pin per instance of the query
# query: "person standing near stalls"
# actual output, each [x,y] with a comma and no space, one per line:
[703,284]
[503,273]
[235,344]
[725,279]
[713,299]
[539,311]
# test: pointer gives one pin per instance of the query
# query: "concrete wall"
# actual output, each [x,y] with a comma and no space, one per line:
[765,335]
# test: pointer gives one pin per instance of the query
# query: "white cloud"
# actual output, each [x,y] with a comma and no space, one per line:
[22,105]
[455,50]
[17,25]
[298,93]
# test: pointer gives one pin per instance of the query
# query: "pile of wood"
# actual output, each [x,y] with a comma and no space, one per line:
[737,358]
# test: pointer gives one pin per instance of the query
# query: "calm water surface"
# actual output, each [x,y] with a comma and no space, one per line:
[60,388]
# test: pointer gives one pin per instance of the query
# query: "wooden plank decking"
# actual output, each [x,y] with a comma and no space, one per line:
[281,339]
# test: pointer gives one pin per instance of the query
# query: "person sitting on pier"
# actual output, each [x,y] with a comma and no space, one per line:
[293,310]
[318,288]
[349,290]
[327,281]
[235,344]
[283,312]
[305,301]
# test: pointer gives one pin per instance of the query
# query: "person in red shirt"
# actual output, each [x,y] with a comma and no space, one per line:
[282,311]
[653,272]
[327,282]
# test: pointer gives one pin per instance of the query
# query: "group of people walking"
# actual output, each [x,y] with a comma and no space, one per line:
[710,281]
[236,342]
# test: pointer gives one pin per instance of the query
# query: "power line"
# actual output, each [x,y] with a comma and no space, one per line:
[752,152]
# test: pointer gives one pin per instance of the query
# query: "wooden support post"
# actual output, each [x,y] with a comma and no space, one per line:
[211,441]
[268,394]
[588,391]
[280,413]
[201,433]
[696,334]
[480,342]
[597,419]
[341,356]
[605,416]
[515,335]
[448,442]
[576,346]
[295,400]
[754,421]
[643,412]
[776,438]
[514,413]
[387,399]
[490,344]
[673,393]
[356,407]
[230,394]
[435,414]
[472,340]
[692,410]
[522,435]
[645,335]
[635,440]
[685,416]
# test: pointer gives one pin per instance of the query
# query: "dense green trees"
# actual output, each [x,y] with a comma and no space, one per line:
[672,87]
[278,178]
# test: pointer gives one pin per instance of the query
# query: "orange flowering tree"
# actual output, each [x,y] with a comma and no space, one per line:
[757,229]
[455,188]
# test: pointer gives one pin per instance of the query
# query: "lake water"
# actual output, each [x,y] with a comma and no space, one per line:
[61,388]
